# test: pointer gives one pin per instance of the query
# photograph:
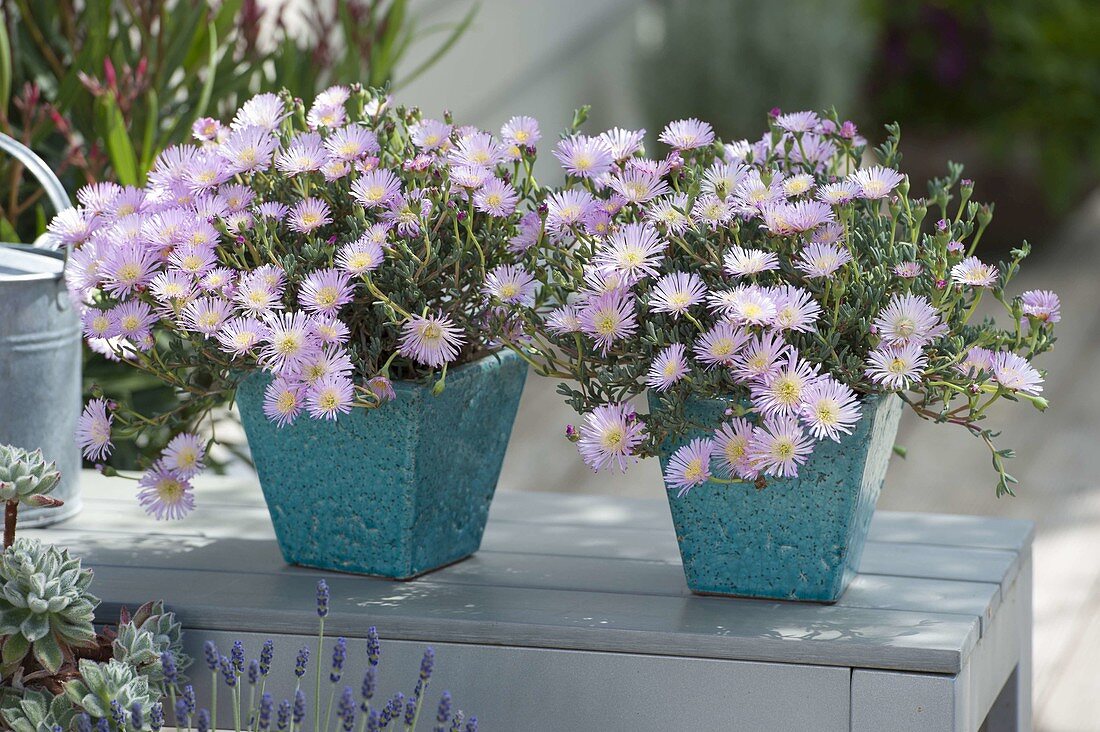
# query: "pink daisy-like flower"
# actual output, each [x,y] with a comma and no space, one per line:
[753,194]
[779,446]
[496,198]
[194,259]
[429,134]
[521,132]
[637,186]
[746,304]
[896,366]
[97,323]
[711,211]
[1014,372]
[978,360]
[669,367]
[608,317]
[510,284]
[687,134]
[330,116]
[239,336]
[351,143]
[325,291]
[432,340]
[839,193]
[376,188]
[207,171]
[330,396]
[830,233]
[796,185]
[608,436]
[564,320]
[93,431]
[530,229]
[478,149]
[290,341]
[329,331]
[974,272]
[470,177]
[306,153]
[165,494]
[247,150]
[265,111]
[584,157]
[876,182]
[634,251]
[184,455]
[132,319]
[909,319]
[798,122]
[676,292]
[566,209]
[206,315]
[309,215]
[74,226]
[783,391]
[623,143]
[237,197]
[741,262]
[256,295]
[784,219]
[722,178]
[206,129]
[323,363]
[795,309]
[689,466]
[821,260]
[219,280]
[908,270]
[760,359]
[829,408]
[732,441]
[361,256]
[671,212]
[128,267]
[172,285]
[1042,305]
[721,345]
[284,399]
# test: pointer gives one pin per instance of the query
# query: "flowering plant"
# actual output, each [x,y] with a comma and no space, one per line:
[787,277]
[334,247]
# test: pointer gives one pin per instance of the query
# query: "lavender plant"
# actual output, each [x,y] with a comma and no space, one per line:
[791,277]
[335,247]
[336,706]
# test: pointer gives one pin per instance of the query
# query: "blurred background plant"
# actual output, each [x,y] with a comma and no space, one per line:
[99,87]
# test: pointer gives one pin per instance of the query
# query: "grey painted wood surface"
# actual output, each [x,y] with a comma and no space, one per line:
[589,592]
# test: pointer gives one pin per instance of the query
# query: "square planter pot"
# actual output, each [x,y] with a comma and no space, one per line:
[395,491]
[798,538]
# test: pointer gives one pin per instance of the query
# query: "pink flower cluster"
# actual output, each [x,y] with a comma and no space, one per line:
[191,254]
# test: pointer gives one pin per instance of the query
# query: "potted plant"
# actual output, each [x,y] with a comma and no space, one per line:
[336,266]
[780,301]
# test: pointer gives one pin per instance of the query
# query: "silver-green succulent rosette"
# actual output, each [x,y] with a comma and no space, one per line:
[27,477]
[150,633]
[36,711]
[100,684]
[45,606]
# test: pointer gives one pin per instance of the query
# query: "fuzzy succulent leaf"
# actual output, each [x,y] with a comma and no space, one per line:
[36,711]
[101,683]
[45,606]
[151,632]
[27,477]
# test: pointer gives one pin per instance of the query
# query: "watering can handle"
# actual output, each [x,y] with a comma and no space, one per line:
[41,171]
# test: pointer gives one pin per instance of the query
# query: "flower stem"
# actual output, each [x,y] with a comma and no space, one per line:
[11,514]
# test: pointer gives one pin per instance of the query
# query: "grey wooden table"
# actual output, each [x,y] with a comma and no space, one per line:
[575,616]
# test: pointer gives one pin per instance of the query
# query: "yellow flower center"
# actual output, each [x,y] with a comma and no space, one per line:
[787,390]
[612,440]
[129,272]
[170,489]
[606,323]
[897,366]
[694,470]
[286,402]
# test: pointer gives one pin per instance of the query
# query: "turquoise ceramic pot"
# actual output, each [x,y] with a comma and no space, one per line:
[795,539]
[396,491]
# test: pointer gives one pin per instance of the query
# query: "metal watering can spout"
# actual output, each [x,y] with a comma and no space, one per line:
[40,348]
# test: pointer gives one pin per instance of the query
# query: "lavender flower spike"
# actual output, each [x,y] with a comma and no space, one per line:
[301,661]
[322,599]
[339,655]
[374,646]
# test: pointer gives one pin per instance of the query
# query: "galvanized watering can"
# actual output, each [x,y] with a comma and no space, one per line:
[40,356]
